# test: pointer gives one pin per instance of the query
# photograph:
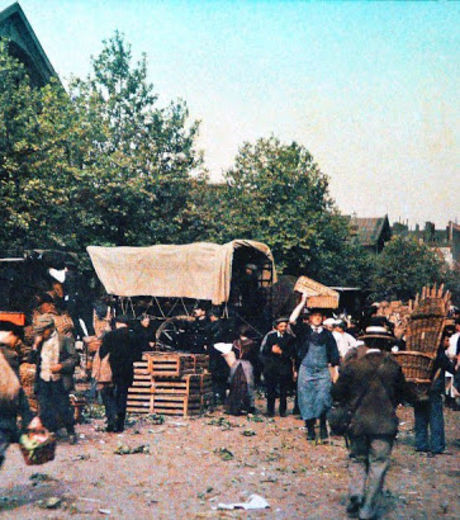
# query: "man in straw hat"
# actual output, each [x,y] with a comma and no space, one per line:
[56,359]
[317,356]
[370,386]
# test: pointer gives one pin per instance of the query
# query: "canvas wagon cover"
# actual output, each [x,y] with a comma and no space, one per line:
[201,270]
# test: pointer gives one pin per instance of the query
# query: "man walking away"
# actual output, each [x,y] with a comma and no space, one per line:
[370,385]
[123,348]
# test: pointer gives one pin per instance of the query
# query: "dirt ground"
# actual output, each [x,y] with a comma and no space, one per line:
[195,464]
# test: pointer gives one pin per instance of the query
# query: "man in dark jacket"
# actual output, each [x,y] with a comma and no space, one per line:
[122,345]
[10,334]
[371,384]
[277,351]
[56,358]
[198,335]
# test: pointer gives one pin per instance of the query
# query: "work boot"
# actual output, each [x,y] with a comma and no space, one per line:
[323,435]
[353,506]
[120,426]
[311,434]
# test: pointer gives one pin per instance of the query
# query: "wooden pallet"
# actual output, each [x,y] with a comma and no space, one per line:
[185,396]
[180,404]
[175,364]
[188,384]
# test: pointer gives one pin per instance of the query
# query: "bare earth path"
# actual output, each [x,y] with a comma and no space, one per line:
[189,471]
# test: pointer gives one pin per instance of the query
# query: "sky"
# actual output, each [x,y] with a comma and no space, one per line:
[369,88]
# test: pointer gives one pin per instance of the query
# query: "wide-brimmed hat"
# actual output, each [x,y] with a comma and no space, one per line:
[377,332]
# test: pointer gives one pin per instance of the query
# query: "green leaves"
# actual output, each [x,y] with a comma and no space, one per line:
[102,164]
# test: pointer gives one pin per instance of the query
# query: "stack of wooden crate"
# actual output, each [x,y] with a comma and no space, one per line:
[172,383]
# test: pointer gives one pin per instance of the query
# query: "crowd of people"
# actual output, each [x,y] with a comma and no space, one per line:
[337,374]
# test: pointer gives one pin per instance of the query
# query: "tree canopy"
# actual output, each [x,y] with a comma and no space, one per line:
[276,193]
[105,163]
[403,268]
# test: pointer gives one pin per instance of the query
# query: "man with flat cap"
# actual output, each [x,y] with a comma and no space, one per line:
[56,358]
[277,352]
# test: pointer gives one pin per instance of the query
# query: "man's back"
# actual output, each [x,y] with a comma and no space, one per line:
[373,382]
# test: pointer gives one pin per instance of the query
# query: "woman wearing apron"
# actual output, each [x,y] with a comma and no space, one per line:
[316,353]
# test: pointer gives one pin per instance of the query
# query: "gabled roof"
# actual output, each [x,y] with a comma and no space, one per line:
[369,230]
[24,44]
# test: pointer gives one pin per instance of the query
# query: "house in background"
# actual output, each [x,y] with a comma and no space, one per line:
[444,242]
[371,233]
[23,45]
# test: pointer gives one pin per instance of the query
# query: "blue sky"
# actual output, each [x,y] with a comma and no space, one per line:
[370,88]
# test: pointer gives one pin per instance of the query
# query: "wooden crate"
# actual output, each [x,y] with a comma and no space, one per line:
[176,364]
[185,396]
[188,384]
[318,295]
[180,404]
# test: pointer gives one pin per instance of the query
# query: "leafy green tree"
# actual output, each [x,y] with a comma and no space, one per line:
[102,165]
[138,186]
[403,268]
[37,129]
[276,193]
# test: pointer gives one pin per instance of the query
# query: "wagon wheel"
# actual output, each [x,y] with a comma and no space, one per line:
[171,332]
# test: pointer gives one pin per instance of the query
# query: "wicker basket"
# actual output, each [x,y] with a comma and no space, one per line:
[424,334]
[416,366]
[42,454]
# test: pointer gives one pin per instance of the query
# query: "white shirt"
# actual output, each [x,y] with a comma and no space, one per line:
[452,350]
[344,342]
[49,357]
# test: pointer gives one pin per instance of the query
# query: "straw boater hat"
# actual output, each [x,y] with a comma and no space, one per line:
[377,332]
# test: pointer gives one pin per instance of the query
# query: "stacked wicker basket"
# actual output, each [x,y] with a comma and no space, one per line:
[172,383]
[423,335]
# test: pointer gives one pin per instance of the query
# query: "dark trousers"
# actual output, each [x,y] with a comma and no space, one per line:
[114,398]
[272,381]
[219,388]
[54,405]
[429,416]
[369,461]
[7,434]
